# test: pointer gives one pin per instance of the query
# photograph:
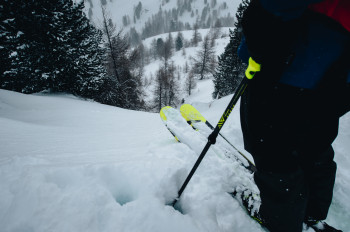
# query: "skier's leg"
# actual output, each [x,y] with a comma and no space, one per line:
[316,158]
[321,177]
[284,199]
[271,121]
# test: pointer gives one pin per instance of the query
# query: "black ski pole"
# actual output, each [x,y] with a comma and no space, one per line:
[251,166]
[250,72]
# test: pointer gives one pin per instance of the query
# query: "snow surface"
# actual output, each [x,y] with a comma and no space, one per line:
[72,165]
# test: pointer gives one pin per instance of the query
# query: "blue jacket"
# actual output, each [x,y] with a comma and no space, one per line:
[316,49]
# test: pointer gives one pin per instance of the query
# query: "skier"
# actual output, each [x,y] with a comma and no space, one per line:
[291,108]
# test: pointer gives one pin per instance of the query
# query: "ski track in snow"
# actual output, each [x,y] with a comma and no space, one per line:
[72,165]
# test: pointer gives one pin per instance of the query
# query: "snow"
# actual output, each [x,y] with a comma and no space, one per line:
[116,9]
[13,54]
[67,164]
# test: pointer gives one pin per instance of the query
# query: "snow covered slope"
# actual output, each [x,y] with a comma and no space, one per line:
[72,165]
[119,8]
[180,59]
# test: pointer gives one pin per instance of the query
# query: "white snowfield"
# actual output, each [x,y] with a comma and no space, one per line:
[69,165]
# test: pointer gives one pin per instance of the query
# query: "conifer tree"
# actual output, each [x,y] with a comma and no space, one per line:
[171,44]
[230,69]
[160,47]
[10,38]
[84,66]
[179,41]
[52,46]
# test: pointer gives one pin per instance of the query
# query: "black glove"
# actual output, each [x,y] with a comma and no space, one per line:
[269,39]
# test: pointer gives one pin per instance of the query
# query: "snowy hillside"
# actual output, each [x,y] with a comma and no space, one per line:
[169,15]
[180,59]
[72,165]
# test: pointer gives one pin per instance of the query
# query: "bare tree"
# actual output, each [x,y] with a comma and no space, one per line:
[153,49]
[215,33]
[183,53]
[159,89]
[171,42]
[166,87]
[109,30]
[190,83]
[205,59]
[196,37]
[186,68]
[173,86]
[167,50]
[123,64]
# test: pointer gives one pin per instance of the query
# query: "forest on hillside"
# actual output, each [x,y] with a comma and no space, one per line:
[52,47]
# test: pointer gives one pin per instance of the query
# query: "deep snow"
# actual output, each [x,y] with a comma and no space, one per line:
[72,165]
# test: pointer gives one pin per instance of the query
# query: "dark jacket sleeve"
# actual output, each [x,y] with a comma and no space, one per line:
[271,28]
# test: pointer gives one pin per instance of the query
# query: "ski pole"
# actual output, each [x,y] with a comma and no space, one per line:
[253,67]
[192,116]
[251,166]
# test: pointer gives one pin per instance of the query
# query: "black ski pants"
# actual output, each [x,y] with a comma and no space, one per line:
[289,132]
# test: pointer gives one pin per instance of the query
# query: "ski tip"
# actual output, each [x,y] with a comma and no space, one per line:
[162,112]
[191,114]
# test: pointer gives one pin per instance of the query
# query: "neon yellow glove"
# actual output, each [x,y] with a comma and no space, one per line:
[253,67]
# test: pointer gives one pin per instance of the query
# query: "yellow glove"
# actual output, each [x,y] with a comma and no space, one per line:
[253,67]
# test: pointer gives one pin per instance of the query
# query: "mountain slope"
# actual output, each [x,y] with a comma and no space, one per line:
[167,15]
[72,165]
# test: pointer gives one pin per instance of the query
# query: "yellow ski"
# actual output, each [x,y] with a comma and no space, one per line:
[192,115]
[163,115]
